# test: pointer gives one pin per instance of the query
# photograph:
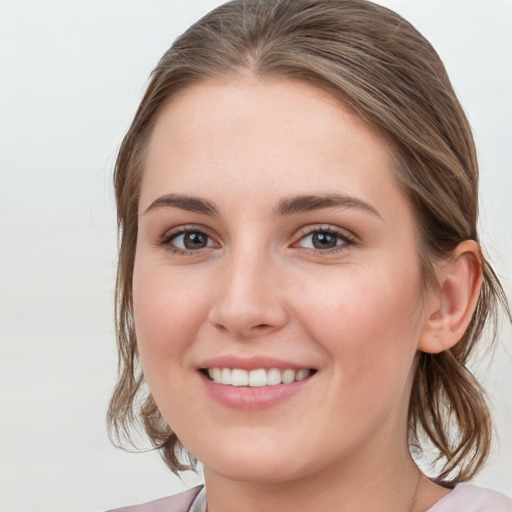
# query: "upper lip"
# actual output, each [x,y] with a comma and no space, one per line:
[251,363]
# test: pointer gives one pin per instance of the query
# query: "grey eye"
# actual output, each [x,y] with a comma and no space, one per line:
[321,240]
[191,240]
[324,240]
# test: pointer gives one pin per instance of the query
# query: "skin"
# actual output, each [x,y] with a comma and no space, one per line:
[356,313]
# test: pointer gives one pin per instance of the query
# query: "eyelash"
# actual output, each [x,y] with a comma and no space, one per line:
[344,239]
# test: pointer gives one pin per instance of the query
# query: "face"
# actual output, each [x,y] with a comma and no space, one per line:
[277,290]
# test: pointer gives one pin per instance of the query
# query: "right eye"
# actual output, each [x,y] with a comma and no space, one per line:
[187,240]
[191,241]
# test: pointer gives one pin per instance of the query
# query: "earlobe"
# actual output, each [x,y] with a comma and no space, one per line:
[449,309]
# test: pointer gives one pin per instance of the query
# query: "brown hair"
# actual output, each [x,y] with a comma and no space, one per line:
[375,61]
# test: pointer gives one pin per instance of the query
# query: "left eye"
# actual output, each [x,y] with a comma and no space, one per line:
[322,240]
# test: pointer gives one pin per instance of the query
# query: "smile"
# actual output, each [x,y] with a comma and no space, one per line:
[257,378]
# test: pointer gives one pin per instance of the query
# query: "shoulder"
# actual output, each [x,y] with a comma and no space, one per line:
[177,503]
[471,498]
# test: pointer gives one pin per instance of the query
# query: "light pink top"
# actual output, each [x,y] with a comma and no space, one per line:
[464,498]
[470,498]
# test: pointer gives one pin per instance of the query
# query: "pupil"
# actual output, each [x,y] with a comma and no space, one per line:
[194,241]
[324,241]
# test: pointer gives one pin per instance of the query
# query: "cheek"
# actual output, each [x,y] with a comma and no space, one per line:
[368,318]
[168,311]
[369,327]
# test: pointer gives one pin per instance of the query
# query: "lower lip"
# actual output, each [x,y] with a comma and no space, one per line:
[253,398]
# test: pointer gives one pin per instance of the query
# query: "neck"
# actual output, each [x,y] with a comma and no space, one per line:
[387,485]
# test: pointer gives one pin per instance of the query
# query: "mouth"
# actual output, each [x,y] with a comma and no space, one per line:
[257,378]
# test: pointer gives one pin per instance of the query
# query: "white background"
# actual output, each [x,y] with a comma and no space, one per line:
[71,75]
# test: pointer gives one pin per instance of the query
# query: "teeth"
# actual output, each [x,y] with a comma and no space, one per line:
[225,376]
[256,378]
[302,374]
[239,377]
[217,375]
[288,376]
[273,377]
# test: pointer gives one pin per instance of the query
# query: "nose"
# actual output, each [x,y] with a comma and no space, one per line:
[249,299]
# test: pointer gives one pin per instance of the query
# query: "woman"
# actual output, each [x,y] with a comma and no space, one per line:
[300,279]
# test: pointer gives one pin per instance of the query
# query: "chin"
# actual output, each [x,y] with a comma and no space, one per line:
[261,473]
[257,465]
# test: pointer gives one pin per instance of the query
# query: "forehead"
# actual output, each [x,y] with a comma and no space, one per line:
[252,135]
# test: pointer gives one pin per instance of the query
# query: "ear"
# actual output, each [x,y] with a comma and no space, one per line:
[449,309]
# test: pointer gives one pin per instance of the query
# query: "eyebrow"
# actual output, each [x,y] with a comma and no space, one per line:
[288,206]
[189,203]
[306,203]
